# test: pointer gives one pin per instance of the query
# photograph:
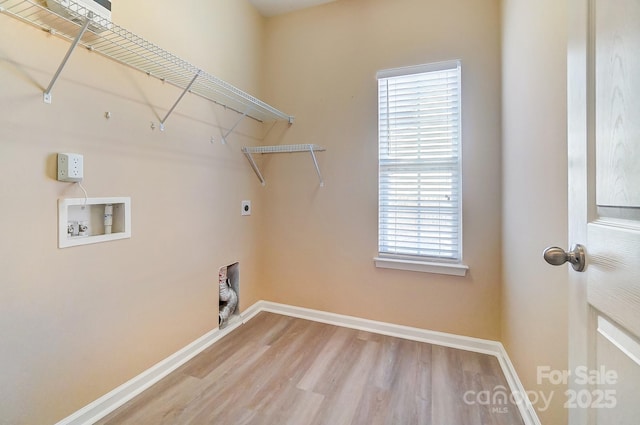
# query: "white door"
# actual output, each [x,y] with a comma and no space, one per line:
[604,211]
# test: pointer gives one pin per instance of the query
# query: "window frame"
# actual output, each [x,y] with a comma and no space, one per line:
[430,264]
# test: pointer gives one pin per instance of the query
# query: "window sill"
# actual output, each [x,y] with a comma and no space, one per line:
[421,266]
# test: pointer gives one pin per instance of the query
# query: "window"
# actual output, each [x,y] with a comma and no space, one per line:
[419,205]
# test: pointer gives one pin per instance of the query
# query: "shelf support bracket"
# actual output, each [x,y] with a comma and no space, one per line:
[186,89]
[253,165]
[224,138]
[47,92]
[315,162]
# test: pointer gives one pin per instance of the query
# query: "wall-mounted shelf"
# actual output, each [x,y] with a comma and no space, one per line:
[108,39]
[312,149]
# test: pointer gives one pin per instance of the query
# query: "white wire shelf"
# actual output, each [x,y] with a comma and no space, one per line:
[283,149]
[310,148]
[101,36]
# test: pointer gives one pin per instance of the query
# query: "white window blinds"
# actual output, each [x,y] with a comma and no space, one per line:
[419,162]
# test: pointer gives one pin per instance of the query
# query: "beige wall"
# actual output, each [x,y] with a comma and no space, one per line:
[77,322]
[321,64]
[534,324]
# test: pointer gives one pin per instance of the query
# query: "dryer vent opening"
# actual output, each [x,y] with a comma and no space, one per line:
[229,289]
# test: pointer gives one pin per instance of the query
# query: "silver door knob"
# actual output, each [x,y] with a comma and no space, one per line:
[558,256]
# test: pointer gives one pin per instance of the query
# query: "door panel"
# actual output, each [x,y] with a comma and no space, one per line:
[604,210]
[617,63]
[616,395]
[613,281]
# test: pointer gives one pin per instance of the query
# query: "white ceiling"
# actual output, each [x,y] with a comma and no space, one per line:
[278,7]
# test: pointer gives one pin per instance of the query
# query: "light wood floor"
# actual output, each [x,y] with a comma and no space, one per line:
[282,370]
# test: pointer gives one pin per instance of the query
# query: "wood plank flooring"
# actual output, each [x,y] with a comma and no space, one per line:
[281,370]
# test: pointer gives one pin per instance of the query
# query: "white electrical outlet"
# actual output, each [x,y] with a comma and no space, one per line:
[246,208]
[70,167]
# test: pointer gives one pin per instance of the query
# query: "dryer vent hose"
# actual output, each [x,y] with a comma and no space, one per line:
[228,301]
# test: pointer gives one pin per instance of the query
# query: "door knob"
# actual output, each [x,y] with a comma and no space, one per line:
[558,256]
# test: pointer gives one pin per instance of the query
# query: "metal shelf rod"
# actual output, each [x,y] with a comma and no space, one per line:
[254,165]
[315,162]
[47,92]
[178,101]
[224,138]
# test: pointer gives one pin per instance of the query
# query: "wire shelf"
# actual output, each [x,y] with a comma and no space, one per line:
[309,148]
[283,149]
[123,46]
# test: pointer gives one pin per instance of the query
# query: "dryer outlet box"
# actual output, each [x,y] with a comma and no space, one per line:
[246,208]
[70,167]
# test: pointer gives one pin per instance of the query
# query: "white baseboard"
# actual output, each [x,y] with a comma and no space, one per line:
[528,412]
[109,402]
[127,391]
